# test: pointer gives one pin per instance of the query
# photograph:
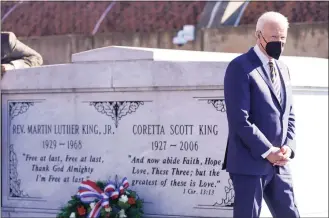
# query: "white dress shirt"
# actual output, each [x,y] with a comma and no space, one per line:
[265,60]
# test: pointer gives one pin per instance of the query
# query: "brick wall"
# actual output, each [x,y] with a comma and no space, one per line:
[42,18]
[295,11]
[303,40]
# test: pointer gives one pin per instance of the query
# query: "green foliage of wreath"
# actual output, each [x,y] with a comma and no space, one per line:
[133,208]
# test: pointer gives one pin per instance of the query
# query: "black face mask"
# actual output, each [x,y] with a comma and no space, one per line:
[273,49]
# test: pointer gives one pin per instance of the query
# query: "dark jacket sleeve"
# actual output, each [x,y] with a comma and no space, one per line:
[21,55]
[291,133]
[290,140]
[237,99]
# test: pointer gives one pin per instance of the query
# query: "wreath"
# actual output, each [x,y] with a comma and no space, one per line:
[103,199]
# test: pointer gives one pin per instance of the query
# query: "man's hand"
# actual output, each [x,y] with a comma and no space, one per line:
[275,156]
[5,68]
[286,151]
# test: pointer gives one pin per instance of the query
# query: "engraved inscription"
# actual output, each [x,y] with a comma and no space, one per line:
[159,153]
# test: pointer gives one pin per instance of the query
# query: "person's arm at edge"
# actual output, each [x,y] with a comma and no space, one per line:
[237,100]
[23,55]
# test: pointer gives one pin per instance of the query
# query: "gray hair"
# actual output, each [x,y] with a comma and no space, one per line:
[271,16]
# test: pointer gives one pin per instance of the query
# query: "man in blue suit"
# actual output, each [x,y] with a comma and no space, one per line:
[261,120]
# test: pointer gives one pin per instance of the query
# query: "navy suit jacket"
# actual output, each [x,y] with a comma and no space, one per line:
[256,119]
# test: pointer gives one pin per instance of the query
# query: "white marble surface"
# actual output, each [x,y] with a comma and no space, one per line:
[180,114]
[167,68]
[310,166]
[168,81]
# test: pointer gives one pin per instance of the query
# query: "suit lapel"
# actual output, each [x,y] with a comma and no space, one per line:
[284,78]
[266,78]
[257,63]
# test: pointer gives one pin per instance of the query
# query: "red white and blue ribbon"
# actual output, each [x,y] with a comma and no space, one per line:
[88,193]
[111,189]
[124,185]
[116,189]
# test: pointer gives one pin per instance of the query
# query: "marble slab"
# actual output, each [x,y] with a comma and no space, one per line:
[156,116]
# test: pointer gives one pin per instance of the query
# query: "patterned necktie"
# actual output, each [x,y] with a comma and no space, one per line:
[275,81]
